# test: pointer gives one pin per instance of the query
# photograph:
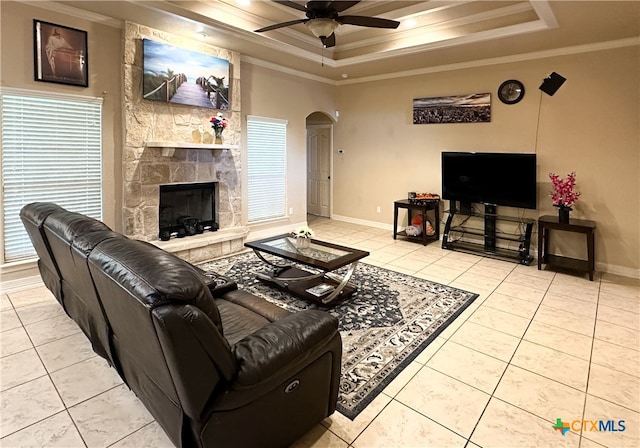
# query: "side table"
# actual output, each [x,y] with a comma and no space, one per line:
[546,224]
[423,207]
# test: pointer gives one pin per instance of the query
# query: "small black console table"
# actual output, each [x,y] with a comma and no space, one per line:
[422,207]
[488,235]
[588,228]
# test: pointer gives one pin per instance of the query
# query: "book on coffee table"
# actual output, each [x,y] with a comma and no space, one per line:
[321,289]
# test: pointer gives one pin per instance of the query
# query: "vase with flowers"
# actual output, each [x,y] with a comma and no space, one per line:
[303,236]
[564,195]
[218,123]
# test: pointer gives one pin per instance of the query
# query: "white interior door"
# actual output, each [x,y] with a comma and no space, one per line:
[318,170]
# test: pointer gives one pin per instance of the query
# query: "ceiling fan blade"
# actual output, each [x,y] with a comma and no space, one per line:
[291,4]
[319,8]
[340,6]
[330,41]
[281,25]
[373,22]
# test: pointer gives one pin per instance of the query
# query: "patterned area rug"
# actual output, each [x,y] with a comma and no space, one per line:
[384,326]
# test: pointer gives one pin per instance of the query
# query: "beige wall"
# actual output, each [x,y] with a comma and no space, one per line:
[591,126]
[273,94]
[105,80]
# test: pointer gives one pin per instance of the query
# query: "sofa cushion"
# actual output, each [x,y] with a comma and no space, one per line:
[238,321]
[79,298]
[170,277]
[161,313]
[256,304]
[61,229]
[33,216]
[298,336]
[242,314]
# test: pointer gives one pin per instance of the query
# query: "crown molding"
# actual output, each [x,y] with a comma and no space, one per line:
[600,46]
[543,10]
[424,31]
[287,70]
[75,12]
[577,49]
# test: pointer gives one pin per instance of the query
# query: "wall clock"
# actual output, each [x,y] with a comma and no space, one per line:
[511,91]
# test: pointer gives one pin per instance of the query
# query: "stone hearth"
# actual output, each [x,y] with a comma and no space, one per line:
[206,246]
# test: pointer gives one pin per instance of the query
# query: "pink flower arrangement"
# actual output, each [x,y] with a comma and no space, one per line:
[563,194]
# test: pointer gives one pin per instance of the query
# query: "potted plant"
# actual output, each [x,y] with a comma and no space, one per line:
[302,236]
[564,195]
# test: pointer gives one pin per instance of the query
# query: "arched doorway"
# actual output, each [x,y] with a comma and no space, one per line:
[319,168]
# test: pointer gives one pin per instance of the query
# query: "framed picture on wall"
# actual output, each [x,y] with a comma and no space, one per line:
[475,108]
[182,76]
[60,54]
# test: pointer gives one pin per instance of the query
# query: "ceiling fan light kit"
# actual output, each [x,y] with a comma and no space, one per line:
[323,17]
[322,27]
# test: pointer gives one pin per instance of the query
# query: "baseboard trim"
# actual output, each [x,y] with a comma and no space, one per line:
[600,267]
[19,274]
[623,271]
[20,283]
[364,222]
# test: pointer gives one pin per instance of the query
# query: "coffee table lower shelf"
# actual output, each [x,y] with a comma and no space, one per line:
[298,288]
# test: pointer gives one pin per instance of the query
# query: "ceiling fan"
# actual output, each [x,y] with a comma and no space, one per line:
[323,18]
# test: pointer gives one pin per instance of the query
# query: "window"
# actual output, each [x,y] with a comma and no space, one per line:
[266,168]
[51,152]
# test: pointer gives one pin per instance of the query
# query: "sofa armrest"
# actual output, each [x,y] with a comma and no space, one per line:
[283,346]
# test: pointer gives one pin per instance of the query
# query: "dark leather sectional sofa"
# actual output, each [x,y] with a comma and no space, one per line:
[215,365]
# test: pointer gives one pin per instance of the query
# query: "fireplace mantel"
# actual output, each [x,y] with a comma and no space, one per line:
[169,148]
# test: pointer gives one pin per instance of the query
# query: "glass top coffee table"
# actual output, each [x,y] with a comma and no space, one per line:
[319,284]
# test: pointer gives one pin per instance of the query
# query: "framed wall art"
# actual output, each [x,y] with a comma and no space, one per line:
[60,54]
[475,108]
[178,75]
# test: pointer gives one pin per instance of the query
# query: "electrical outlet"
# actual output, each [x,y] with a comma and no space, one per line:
[291,210]
[378,209]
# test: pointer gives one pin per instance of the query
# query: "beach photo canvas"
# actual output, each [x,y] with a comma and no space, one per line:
[181,76]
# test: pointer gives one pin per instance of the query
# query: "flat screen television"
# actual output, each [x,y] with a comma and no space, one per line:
[506,179]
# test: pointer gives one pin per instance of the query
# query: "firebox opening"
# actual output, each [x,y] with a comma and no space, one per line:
[187,209]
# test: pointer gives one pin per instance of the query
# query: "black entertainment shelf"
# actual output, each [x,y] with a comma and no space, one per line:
[485,215]
[489,235]
[482,233]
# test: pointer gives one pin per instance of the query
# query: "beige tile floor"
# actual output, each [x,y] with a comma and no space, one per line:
[534,347]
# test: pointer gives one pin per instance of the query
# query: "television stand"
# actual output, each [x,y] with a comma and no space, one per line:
[462,233]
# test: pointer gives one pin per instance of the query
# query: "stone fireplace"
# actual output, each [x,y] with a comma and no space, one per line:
[152,127]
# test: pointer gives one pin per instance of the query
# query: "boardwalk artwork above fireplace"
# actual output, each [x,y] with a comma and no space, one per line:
[187,209]
[197,79]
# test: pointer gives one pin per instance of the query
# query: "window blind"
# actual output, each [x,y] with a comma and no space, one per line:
[51,152]
[266,168]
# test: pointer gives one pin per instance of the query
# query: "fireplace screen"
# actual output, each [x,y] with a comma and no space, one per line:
[187,209]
